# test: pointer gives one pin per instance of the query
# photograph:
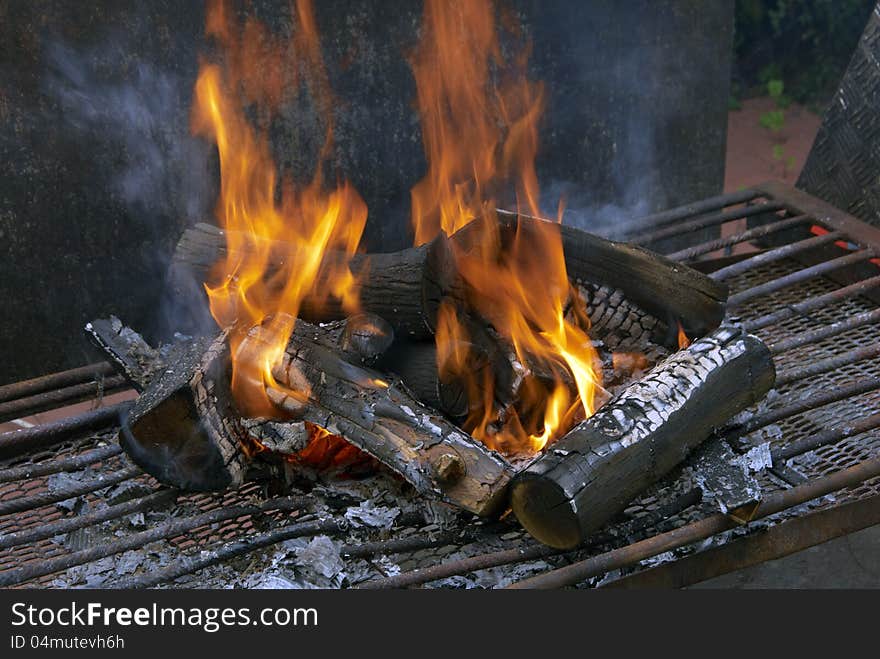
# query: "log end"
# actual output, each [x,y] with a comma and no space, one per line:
[174,448]
[181,429]
[545,510]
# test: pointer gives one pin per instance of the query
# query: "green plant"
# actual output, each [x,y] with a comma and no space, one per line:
[807,43]
[774,121]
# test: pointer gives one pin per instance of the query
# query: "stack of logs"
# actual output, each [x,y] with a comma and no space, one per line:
[373,380]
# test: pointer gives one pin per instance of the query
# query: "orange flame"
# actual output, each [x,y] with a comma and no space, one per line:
[479,115]
[252,286]
[683,340]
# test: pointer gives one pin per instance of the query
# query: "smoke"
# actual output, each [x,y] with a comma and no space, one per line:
[133,116]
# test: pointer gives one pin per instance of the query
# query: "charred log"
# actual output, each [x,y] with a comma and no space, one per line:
[377,414]
[126,350]
[598,467]
[183,429]
[405,288]
[666,290]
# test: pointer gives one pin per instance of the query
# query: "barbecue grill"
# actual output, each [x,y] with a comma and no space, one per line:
[803,276]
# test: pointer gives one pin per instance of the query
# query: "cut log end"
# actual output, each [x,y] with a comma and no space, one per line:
[543,507]
[182,430]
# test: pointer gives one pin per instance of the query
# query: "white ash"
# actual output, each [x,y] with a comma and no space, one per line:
[758,458]
[369,514]
[321,555]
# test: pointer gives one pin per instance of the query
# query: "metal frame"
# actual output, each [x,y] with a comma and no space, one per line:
[773,212]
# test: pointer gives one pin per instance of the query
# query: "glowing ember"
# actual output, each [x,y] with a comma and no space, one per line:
[481,138]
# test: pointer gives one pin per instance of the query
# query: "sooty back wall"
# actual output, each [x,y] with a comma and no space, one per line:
[99,174]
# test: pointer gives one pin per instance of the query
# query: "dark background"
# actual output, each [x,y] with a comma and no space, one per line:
[99,175]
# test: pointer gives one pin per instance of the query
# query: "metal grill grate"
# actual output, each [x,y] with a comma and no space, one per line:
[803,276]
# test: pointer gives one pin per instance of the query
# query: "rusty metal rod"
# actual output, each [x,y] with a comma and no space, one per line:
[27,440]
[783,539]
[54,381]
[73,463]
[729,241]
[799,276]
[812,304]
[202,559]
[39,500]
[773,255]
[707,221]
[826,365]
[167,530]
[632,228]
[154,500]
[826,332]
[699,530]
[21,407]
[412,543]
[830,436]
[734,432]
[530,553]
[697,208]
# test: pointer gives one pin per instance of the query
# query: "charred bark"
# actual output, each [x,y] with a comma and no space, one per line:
[183,429]
[126,350]
[376,413]
[666,290]
[405,288]
[598,467]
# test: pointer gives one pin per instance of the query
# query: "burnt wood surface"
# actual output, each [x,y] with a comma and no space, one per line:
[183,429]
[667,290]
[126,350]
[598,467]
[405,288]
[376,413]
[725,478]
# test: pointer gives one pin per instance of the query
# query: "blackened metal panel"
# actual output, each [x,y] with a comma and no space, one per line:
[843,167]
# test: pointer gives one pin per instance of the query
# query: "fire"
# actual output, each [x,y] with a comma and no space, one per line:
[683,340]
[257,211]
[479,115]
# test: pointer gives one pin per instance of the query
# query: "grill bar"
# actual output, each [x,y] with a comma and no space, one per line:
[142,504]
[22,504]
[831,436]
[699,530]
[826,365]
[72,463]
[800,276]
[730,241]
[690,210]
[234,549]
[21,407]
[646,238]
[164,531]
[826,332]
[520,554]
[813,304]
[58,380]
[773,255]
[26,440]
[799,407]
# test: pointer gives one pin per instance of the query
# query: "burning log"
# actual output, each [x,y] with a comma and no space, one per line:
[595,470]
[631,291]
[378,415]
[404,287]
[666,290]
[183,429]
